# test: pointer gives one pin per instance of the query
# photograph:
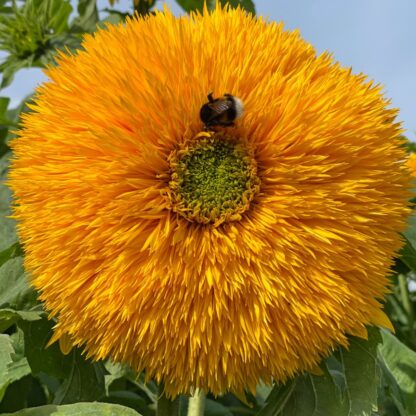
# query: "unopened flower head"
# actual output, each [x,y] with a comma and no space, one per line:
[209,257]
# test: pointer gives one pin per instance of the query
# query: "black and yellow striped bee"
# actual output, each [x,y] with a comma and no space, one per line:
[222,111]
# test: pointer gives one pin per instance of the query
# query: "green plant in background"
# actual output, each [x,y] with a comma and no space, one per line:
[373,377]
[27,32]
[32,31]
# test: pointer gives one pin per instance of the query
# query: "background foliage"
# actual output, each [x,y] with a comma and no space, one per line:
[374,377]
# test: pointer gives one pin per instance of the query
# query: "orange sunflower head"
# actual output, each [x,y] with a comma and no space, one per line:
[411,163]
[210,258]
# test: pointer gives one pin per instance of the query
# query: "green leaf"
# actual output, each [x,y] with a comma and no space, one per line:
[18,341]
[9,317]
[6,351]
[15,250]
[18,369]
[262,392]
[410,232]
[213,408]
[121,375]
[4,133]
[9,69]
[130,399]
[167,407]
[314,396]
[390,399]
[58,13]
[78,409]
[7,225]
[15,113]
[65,41]
[362,374]
[348,387]
[85,382]
[149,388]
[114,17]
[88,17]
[4,103]
[28,35]
[17,395]
[115,371]
[15,291]
[277,399]
[399,370]
[408,254]
[12,366]
[41,359]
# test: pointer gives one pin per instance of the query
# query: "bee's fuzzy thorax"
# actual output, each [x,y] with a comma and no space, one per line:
[239,107]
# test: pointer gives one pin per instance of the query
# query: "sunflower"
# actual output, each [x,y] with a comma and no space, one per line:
[215,258]
[411,163]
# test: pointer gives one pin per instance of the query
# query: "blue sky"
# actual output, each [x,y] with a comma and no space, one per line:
[377,37]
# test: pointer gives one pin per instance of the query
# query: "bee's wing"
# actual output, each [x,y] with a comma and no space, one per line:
[220,107]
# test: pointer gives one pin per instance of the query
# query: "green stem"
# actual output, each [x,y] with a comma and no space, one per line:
[166,407]
[196,404]
[407,304]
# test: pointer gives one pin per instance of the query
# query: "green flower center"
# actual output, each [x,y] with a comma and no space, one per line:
[213,179]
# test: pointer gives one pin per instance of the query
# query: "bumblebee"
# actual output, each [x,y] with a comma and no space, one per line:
[221,111]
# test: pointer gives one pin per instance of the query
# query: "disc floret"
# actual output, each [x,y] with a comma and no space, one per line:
[213,179]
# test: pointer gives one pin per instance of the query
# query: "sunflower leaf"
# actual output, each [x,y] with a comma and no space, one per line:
[49,360]
[90,409]
[410,233]
[10,67]
[398,364]
[362,373]
[408,254]
[13,366]
[277,399]
[314,396]
[129,399]
[85,381]
[7,225]
[82,379]
[15,291]
[347,387]
[213,408]
[58,12]
[9,317]
[88,17]
[6,351]
[4,132]
[4,103]
[15,250]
